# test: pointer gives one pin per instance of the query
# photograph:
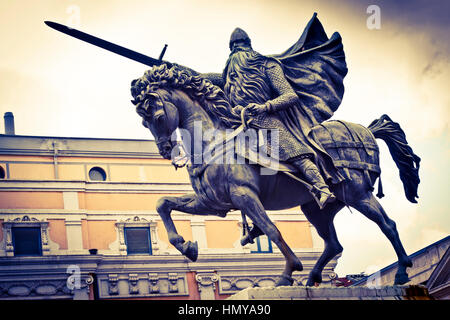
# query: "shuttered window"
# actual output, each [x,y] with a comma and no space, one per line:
[26,241]
[137,240]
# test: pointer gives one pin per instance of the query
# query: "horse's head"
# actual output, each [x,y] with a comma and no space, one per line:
[161,93]
[158,113]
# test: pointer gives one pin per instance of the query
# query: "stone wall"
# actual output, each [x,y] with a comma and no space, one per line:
[329,293]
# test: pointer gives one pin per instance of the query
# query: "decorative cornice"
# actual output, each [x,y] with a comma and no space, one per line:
[86,186]
[78,147]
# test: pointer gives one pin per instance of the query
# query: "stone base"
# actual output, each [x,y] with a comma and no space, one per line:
[332,293]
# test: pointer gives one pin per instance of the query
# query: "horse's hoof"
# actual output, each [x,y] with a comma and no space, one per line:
[284,281]
[401,278]
[190,250]
[314,279]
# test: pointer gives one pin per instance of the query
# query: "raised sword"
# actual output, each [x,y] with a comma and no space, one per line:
[125,52]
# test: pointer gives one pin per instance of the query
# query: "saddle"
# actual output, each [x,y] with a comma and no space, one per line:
[350,145]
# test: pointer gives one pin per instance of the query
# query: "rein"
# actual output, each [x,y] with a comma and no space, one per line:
[234,134]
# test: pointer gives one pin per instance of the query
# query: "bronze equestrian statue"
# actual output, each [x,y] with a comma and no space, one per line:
[307,95]
[324,164]
[168,99]
[293,92]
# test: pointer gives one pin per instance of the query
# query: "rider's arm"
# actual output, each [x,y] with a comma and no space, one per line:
[286,95]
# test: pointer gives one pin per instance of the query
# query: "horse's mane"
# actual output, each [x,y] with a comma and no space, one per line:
[209,96]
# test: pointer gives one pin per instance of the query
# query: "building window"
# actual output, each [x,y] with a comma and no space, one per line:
[26,237]
[138,240]
[262,245]
[97,174]
[2,173]
[26,241]
[137,236]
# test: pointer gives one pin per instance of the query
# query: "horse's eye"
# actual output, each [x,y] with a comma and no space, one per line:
[158,114]
[160,118]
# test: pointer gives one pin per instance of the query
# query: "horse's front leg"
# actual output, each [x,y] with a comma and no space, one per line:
[248,202]
[188,204]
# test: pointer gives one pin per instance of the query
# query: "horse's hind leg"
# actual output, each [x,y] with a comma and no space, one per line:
[372,209]
[322,220]
[245,199]
[189,204]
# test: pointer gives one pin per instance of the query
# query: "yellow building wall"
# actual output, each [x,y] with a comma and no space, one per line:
[81,200]
[31,171]
[121,201]
[167,174]
[222,233]
[31,200]
[71,172]
[297,234]
[118,160]
[73,168]
[127,173]
[57,232]
[100,234]
[85,234]
[137,173]
[183,228]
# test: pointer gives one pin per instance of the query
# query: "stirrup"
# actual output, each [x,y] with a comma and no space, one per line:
[317,195]
[330,198]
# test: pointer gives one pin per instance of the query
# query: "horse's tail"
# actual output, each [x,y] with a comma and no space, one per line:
[407,162]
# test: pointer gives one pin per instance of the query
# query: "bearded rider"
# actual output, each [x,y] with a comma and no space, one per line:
[291,92]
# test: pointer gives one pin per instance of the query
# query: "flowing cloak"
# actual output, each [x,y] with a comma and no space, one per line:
[315,67]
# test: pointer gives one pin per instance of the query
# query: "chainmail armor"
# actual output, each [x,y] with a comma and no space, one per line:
[288,146]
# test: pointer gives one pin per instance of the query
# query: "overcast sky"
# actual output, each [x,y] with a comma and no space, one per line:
[58,86]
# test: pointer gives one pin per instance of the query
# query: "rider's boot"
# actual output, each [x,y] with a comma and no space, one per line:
[320,192]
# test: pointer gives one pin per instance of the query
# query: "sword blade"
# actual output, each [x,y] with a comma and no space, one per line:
[125,52]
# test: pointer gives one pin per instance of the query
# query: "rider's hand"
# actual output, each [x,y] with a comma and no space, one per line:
[255,108]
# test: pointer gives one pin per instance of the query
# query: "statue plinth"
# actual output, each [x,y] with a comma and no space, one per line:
[412,292]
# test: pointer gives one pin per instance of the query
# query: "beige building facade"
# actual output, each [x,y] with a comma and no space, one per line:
[78,221]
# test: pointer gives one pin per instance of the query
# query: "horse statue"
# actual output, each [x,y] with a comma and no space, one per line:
[171,98]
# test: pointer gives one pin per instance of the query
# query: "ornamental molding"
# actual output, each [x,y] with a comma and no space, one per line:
[25,221]
[229,284]
[35,289]
[206,279]
[153,284]
[137,221]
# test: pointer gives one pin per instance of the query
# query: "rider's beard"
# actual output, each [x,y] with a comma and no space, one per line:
[245,80]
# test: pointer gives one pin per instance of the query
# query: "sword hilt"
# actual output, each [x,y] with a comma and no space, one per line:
[162,52]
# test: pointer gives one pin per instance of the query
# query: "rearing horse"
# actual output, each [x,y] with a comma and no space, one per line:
[168,99]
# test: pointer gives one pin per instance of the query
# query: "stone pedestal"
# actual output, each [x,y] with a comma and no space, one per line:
[333,293]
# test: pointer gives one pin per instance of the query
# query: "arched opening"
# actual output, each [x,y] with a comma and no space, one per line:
[97,174]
